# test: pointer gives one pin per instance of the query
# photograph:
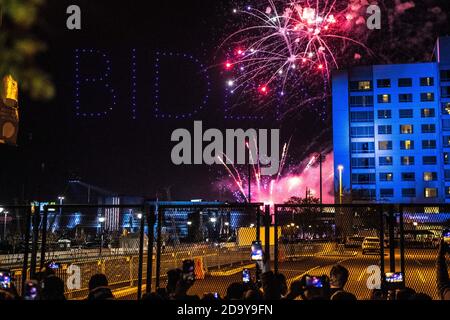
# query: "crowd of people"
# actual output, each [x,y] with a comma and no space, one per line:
[270,286]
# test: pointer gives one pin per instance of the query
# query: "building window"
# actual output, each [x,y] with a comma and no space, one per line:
[363,163]
[408,193]
[428,128]
[386,193]
[427,97]
[429,176]
[384,145]
[407,161]
[385,129]
[405,113]
[446,124]
[447,192]
[446,142]
[384,83]
[446,108]
[361,101]
[429,160]
[405,82]
[384,114]
[428,144]
[386,176]
[427,82]
[408,176]
[361,116]
[363,194]
[384,98]
[406,129]
[385,161]
[445,75]
[446,158]
[427,113]
[430,192]
[407,145]
[363,178]
[445,92]
[361,132]
[447,175]
[405,97]
[361,85]
[363,147]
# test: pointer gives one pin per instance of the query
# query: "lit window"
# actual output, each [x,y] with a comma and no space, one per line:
[407,160]
[384,98]
[406,129]
[429,176]
[407,145]
[430,193]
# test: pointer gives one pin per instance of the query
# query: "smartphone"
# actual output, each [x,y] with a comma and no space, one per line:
[246,276]
[314,282]
[257,251]
[188,270]
[394,280]
[5,279]
[446,236]
[216,295]
[31,290]
[54,265]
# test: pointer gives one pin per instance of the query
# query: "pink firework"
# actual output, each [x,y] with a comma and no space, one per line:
[281,42]
[298,181]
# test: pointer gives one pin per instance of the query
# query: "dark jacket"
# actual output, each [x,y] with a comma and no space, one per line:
[101,293]
[443,281]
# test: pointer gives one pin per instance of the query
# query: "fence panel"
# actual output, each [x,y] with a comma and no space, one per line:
[217,238]
[314,238]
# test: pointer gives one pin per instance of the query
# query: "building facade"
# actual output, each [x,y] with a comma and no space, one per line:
[391,131]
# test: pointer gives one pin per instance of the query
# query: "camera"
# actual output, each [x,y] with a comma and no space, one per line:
[246,276]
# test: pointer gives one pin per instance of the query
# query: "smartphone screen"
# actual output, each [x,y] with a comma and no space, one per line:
[53,265]
[188,270]
[257,251]
[245,276]
[314,282]
[5,279]
[446,235]
[396,277]
[31,290]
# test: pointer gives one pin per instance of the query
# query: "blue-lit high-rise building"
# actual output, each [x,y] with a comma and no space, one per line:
[391,131]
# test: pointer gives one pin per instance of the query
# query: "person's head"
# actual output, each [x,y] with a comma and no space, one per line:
[338,276]
[52,288]
[98,280]
[6,295]
[235,291]
[420,297]
[173,276]
[280,280]
[377,294]
[253,295]
[343,296]
[405,293]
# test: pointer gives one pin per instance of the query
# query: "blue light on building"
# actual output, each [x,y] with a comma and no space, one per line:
[391,131]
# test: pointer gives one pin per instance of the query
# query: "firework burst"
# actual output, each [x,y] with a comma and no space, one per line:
[281,43]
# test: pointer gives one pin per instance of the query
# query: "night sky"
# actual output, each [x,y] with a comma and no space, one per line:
[132,156]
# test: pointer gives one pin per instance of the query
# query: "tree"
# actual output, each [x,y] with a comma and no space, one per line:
[19,47]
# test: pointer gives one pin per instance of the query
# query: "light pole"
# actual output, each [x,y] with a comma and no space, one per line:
[101,220]
[340,169]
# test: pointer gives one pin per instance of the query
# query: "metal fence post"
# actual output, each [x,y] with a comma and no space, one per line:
[44,237]
[27,247]
[402,242]
[275,250]
[391,239]
[381,216]
[34,247]
[258,224]
[151,236]
[141,252]
[267,231]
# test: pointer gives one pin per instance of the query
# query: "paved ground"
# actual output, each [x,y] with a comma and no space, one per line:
[420,272]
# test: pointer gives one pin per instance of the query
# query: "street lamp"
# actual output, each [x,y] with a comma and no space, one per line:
[340,169]
[139,216]
[227,223]
[101,220]
[189,223]
[213,220]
